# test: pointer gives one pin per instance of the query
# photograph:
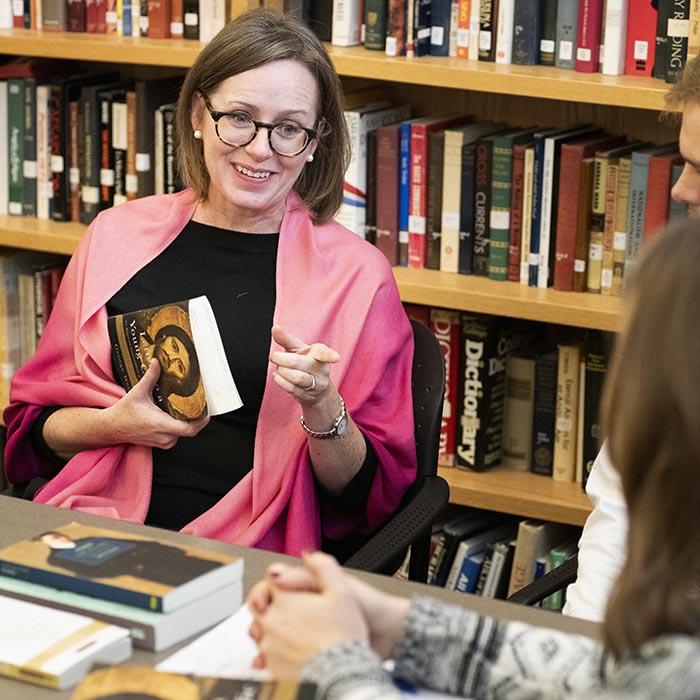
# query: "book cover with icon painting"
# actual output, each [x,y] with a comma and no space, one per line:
[195,378]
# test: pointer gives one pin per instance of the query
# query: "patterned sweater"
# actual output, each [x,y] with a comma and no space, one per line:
[453,650]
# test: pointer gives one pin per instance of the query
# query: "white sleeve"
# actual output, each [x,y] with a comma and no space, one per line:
[602,545]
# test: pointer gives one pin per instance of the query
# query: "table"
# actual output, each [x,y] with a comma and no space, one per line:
[22,519]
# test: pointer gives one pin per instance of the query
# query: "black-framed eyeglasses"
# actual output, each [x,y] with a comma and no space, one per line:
[237,129]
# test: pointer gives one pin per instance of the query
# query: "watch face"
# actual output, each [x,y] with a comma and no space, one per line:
[342,425]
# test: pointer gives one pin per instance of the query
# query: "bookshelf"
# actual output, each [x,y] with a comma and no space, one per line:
[619,103]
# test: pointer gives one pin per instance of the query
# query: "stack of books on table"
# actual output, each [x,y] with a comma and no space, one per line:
[78,583]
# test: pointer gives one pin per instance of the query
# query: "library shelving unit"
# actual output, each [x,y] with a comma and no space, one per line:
[521,94]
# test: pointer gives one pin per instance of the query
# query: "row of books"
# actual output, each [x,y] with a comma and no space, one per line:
[157,19]
[78,583]
[615,37]
[28,286]
[494,555]
[518,393]
[79,143]
[567,207]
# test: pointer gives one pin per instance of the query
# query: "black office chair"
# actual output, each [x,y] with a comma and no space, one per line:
[429,494]
[551,582]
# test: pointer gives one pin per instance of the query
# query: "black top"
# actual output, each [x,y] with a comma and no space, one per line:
[236,271]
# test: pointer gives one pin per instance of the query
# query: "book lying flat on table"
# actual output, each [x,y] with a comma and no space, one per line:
[54,648]
[195,378]
[122,567]
[153,631]
[146,682]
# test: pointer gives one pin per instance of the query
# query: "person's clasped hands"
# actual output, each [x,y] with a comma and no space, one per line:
[301,611]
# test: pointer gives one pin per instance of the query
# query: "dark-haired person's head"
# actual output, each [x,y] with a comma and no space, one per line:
[261,113]
[651,415]
[174,350]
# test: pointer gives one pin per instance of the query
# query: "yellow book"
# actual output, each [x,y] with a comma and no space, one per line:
[568,379]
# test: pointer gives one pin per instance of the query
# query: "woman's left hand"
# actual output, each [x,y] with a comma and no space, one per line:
[303,370]
[296,625]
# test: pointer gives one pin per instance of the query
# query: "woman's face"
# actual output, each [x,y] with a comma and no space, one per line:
[249,184]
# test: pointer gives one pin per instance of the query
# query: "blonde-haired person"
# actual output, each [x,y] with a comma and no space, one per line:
[327,627]
[309,313]
[602,544]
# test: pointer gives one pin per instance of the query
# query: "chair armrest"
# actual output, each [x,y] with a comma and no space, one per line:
[552,581]
[380,553]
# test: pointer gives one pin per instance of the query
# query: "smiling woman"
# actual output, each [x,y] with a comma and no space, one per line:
[310,317]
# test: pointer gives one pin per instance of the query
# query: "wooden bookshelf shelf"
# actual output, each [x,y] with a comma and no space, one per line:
[519,493]
[528,81]
[429,287]
[480,294]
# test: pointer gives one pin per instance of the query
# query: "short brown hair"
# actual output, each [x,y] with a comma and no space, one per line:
[249,41]
[651,414]
[687,89]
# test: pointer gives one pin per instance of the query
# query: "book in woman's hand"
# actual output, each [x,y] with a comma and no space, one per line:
[195,378]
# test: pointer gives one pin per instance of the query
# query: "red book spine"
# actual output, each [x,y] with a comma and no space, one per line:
[418,195]
[388,194]
[446,325]
[516,212]
[641,38]
[590,17]
[658,192]
[159,19]
[101,16]
[567,214]
[75,10]
[417,312]
[17,14]
[91,16]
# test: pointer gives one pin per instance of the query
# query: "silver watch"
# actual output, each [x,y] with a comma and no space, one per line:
[337,429]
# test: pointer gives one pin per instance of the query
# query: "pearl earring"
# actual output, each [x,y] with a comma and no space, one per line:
[197,133]
[310,158]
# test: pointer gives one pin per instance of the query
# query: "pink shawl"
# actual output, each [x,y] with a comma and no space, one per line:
[332,287]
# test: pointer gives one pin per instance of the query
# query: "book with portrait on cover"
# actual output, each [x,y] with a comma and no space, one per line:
[195,378]
[130,569]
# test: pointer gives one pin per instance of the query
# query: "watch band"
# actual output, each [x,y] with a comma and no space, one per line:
[334,429]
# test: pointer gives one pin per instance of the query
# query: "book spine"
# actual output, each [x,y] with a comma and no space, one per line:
[614,41]
[661,58]
[43,152]
[482,206]
[172,180]
[567,406]
[83,586]
[4,150]
[375,24]
[518,418]
[526,32]
[119,146]
[74,183]
[404,191]
[484,572]
[15,124]
[75,15]
[451,192]
[418,196]
[111,17]
[536,222]
[596,367]
[641,38]
[190,29]
[467,210]
[516,213]
[487,29]
[463,13]
[504,31]
[474,28]
[410,28]
[159,19]
[548,36]
[440,15]
[469,572]
[636,208]
[544,413]
[528,191]
[499,218]
[58,136]
[388,158]
[106,154]
[567,215]
[658,189]
[29,173]
[90,171]
[546,208]
[370,232]
[620,227]
[435,187]
[590,15]
[446,327]
[583,225]
[396,28]
[606,269]
[346,23]
[177,18]
[597,227]
[677,47]
[53,15]
[421,27]
[694,28]
[131,184]
[567,25]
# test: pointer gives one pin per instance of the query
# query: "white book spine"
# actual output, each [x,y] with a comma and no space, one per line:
[615,37]
[451,192]
[345,30]
[454,23]
[504,31]
[4,182]
[546,213]
[473,51]
[206,20]
[44,192]
[5,14]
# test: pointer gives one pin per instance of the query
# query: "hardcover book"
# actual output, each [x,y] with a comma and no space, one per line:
[122,567]
[55,649]
[195,377]
[526,32]
[567,25]
[641,38]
